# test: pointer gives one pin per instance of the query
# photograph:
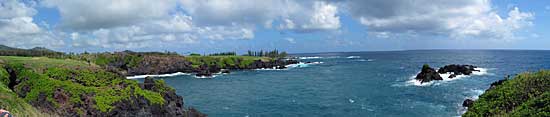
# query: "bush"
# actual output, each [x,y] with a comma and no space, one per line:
[526,94]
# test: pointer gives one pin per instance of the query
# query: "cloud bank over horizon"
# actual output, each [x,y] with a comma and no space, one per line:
[136,24]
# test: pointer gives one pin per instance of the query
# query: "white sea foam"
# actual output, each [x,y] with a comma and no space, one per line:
[302,64]
[445,76]
[310,57]
[160,75]
[317,57]
[205,77]
[351,100]
[351,57]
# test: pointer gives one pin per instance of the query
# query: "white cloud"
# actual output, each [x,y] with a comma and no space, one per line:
[94,14]
[464,18]
[18,29]
[293,15]
[140,23]
[12,8]
[290,40]
[324,17]
[176,29]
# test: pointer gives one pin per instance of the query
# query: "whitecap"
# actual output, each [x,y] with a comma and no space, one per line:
[310,57]
[160,75]
[302,64]
[351,57]
[205,77]
[351,100]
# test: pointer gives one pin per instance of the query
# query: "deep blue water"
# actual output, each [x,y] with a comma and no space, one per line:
[375,84]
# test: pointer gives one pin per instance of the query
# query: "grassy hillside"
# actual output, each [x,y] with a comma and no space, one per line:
[527,94]
[62,85]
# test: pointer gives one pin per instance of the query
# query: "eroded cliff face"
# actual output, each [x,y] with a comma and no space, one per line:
[81,90]
[164,64]
[160,65]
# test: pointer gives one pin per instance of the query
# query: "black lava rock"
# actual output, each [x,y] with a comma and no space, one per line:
[427,74]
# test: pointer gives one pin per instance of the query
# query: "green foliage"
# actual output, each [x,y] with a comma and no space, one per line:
[272,54]
[17,106]
[537,107]
[76,80]
[526,94]
[34,52]
[425,66]
[224,54]
[194,54]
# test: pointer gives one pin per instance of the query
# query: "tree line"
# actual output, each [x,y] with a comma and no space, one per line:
[273,54]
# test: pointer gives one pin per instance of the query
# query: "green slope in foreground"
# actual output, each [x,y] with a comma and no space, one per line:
[526,95]
[74,83]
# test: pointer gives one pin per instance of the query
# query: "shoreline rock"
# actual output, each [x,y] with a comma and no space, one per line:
[468,103]
[427,74]
[457,69]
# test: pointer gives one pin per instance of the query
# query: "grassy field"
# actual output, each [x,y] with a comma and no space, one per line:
[45,75]
[44,62]
[526,95]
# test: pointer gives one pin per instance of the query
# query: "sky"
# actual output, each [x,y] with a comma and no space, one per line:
[295,26]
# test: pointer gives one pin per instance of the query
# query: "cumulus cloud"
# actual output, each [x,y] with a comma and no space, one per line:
[142,23]
[94,14]
[288,14]
[177,29]
[463,18]
[18,29]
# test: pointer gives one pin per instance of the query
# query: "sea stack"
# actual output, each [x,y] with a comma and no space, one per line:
[427,74]
[455,70]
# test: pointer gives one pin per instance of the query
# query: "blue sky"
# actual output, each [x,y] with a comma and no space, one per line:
[205,26]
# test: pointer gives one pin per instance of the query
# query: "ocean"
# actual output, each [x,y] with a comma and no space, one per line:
[354,84]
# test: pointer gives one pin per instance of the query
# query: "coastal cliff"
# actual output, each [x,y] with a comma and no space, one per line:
[525,95]
[134,63]
[67,87]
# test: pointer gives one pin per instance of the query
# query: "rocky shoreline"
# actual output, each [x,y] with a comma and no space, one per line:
[428,74]
[175,64]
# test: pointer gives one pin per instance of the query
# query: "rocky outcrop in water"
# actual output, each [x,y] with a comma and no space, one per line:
[455,70]
[427,74]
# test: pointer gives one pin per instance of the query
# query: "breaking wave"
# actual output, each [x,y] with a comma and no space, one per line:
[160,75]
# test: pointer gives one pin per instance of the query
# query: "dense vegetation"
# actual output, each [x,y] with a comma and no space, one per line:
[40,77]
[526,95]
[224,54]
[271,54]
[129,59]
[10,101]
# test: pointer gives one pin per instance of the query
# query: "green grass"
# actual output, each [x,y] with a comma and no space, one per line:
[75,78]
[40,63]
[527,94]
